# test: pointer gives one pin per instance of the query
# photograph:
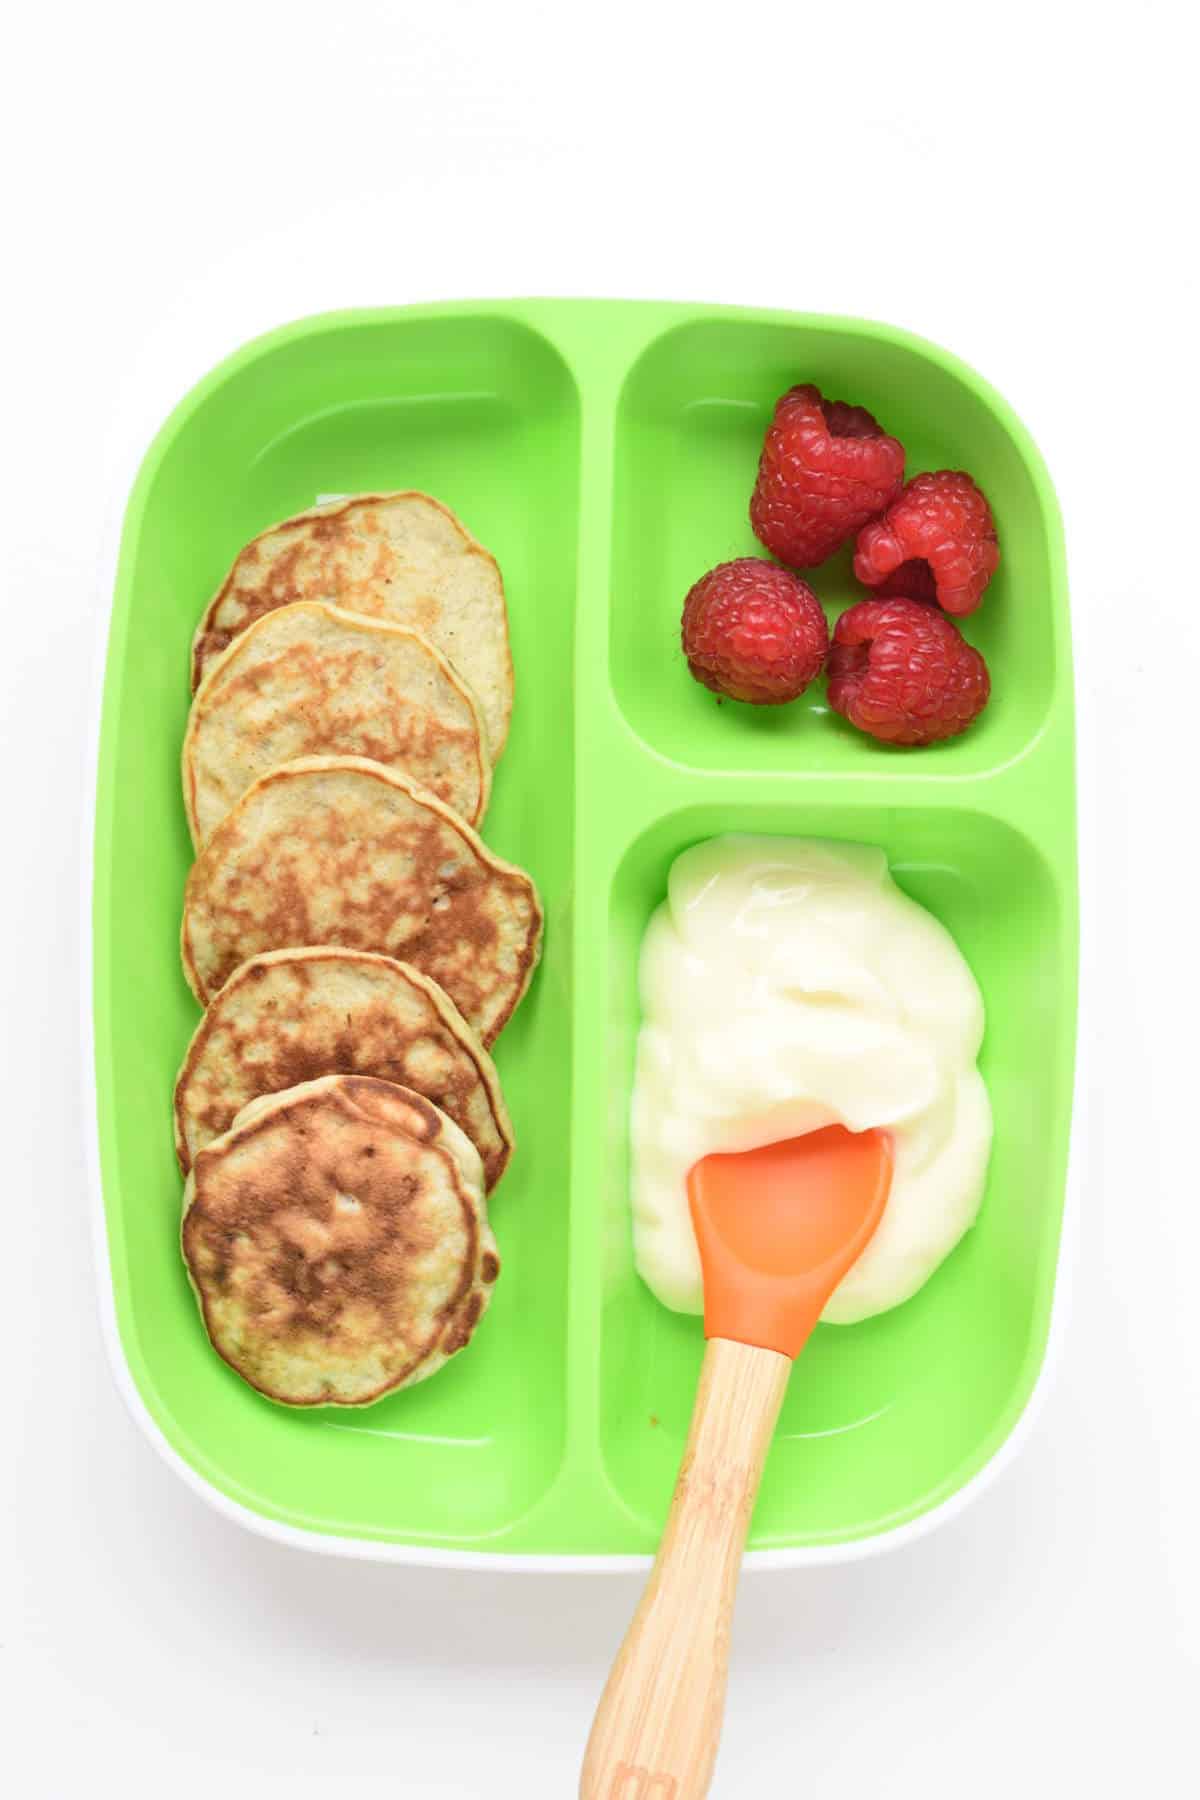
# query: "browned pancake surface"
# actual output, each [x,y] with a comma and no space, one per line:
[312,680]
[291,1016]
[402,556]
[337,1241]
[340,851]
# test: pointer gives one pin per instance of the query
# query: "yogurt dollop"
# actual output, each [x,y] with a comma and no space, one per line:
[788,984]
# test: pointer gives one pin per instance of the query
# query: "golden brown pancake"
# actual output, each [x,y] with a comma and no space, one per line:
[400,556]
[291,1016]
[312,680]
[339,850]
[337,1241]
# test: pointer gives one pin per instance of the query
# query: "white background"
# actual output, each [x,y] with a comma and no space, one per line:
[1010,181]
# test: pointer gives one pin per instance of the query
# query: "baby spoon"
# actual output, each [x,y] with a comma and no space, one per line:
[777,1228]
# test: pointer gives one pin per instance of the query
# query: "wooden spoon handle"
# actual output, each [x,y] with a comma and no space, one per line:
[657,1726]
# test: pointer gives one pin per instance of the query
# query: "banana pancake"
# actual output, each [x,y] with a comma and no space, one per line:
[337,1241]
[342,851]
[312,680]
[401,556]
[290,1016]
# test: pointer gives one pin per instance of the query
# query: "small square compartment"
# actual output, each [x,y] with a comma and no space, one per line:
[689,430]
[885,1418]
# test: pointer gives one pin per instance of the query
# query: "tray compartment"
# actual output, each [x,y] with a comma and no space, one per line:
[482,411]
[882,1418]
[689,428]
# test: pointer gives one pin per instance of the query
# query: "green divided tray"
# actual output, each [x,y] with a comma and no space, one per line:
[605,452]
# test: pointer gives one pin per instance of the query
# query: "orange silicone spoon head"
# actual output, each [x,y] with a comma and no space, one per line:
[778,1227]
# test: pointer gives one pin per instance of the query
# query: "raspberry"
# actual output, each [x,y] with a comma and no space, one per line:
[826,468]
[754,632]
[902,671]
[936,542]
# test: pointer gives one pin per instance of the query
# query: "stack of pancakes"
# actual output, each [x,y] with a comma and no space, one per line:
[356,946]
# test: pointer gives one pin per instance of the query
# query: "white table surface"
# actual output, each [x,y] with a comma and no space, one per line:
[1009,183]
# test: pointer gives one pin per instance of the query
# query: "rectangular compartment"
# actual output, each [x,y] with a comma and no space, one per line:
[483,412]
[605,452]
[885,1418]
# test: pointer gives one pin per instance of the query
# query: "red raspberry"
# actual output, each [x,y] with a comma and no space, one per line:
[902,671]
[754,632]
[936,542]
[826,468]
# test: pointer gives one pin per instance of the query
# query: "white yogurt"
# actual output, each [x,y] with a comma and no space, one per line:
[788,984]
